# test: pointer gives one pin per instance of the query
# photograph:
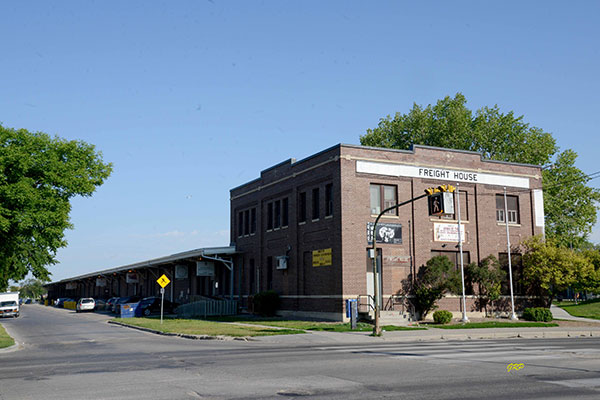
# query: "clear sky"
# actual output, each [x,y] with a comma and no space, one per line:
[191,98]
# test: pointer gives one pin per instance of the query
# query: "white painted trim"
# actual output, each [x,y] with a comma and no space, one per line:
[444,174]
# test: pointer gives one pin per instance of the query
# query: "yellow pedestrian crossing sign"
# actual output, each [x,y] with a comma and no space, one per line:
[163,281]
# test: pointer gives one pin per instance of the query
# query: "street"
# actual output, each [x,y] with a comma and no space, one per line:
[65,355]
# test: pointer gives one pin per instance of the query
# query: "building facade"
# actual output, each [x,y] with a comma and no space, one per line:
[302,228]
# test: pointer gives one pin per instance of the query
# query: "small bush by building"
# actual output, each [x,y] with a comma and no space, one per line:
[442,317]
[537,314]
[266,303]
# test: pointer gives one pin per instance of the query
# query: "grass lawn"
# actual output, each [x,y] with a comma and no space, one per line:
[312,325]
[586,309]
[496,324]
[200,327]
[5,340]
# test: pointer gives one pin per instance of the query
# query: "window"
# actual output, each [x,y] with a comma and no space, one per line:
[512,203]
[382,197]
[302,207]
[241,223]
[284,212]
[315,204]
[328,200]
[277,221]
[278,214]
[269,216]
[253,221]
[516,265]
[247,222]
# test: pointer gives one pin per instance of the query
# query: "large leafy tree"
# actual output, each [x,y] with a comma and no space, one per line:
[38,177]
[504,137]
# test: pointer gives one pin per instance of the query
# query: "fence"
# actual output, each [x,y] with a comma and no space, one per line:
[207,308]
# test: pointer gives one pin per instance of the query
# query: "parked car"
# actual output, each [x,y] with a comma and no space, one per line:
[85,304]
[110,304]
[100,304]
[151,305]
[124,300]
[60,302]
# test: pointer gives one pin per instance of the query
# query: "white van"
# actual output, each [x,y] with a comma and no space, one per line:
[9,304]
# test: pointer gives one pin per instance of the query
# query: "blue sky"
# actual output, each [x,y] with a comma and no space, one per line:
[191,98]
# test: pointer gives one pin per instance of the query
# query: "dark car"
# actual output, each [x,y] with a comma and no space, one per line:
[124,300]
[151,305]
[110,303]
[60,302]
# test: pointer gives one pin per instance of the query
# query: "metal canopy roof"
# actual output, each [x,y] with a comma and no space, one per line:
[208,251]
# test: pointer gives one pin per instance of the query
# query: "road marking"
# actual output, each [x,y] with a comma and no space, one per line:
[578,383]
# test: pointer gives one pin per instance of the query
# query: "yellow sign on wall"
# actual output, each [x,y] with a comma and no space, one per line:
[321,258]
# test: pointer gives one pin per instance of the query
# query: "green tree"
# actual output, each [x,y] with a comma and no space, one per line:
[32,288]
[435,278]
[504,137]
[38,177]
[550,269]
[488,276]
[570,205]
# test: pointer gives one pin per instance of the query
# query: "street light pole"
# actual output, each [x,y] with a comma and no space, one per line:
[376,274]
[464,319]
[513,316]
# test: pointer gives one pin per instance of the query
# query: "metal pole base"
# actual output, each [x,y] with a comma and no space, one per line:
[514,317]
[464,319]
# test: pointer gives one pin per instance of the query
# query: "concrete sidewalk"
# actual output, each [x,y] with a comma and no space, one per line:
[559,313]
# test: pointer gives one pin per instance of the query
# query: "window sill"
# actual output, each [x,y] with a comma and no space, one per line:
[315,220]
[509,224]
[302,223]
[448,221]
[328,216]
[385,216]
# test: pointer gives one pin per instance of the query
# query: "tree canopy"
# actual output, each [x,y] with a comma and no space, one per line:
[503,137]
[38,177]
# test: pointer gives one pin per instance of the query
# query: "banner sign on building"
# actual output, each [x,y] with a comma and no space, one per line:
[321,258]
[205,268]
[131,277]
[181,272]
[71,286]
[391,169]
[386,233]
[448,232]
[100,282]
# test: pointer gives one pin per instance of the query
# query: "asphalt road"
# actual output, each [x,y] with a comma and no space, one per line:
[64,355]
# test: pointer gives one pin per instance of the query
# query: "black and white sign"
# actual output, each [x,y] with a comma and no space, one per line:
[386,233]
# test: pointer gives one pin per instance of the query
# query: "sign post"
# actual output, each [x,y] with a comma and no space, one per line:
[162,281]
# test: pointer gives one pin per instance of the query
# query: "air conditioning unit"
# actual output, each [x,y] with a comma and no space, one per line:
[281,262]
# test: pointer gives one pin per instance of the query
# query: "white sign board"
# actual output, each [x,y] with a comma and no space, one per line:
[204,268]
[389,169]
[448,232]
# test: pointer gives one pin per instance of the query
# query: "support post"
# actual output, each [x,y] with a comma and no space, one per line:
[376,275]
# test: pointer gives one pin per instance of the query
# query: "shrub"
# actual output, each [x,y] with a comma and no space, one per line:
[442,317]
[537,314]
[266,303]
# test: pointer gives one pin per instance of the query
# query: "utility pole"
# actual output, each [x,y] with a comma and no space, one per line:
[373,255]
[464,319]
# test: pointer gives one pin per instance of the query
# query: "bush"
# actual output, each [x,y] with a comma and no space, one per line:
[266,303]
[442,317]
[537,314]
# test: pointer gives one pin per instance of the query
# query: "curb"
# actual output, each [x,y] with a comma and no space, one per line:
[181,335]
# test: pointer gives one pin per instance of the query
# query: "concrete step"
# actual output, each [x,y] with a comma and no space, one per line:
[394,318]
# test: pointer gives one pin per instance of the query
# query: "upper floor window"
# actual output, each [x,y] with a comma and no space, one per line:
[316,212]
[464,206]
[302,207]
[328,200]
[278,214]
[247,222]
[382,197]
[512,205]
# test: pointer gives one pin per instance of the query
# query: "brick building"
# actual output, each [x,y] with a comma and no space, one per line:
[301,227]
